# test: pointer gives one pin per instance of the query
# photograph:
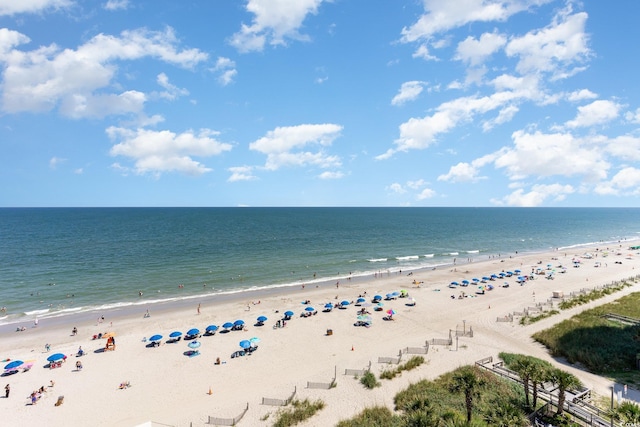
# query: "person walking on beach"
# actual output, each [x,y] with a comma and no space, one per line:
[198,308]
[7,389]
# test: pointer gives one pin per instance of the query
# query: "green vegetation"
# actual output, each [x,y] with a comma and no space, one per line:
[301,411]
[410,364]
[591,296]
[601,345]
[575,301]
[447,402]
[526,320]
[628,413]
[369,380]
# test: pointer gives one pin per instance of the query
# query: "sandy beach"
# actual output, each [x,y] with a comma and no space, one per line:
[169,387]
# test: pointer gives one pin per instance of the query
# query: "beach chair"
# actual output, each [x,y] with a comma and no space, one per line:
[60,401]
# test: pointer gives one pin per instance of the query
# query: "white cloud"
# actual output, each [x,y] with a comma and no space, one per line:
[285,146]
[633,116]
[596,113]
[625,147]
[13,7]
[273,23]
[626,181]
[171,91]
[427,193]
[553,49]
[462,172]
[474,51]
[396,188]
[241,173]
[557,154]
[409,91]
[581,95]
[55,161]
[538,195]
[443,15]
[78,81]
[227,70]
[156,152]
[116,4]
[331,175]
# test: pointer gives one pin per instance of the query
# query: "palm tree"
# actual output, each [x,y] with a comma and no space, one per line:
[563,380]
[467,381]
[540,373]
[524,366]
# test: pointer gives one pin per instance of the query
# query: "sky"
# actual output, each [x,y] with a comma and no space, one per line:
[506,103]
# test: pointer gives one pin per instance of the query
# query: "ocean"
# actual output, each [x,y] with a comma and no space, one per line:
[59,261]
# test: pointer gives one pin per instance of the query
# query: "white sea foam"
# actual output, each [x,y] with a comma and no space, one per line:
[473,252]
[407,258]
[429,256]
[36,312]
[378,260]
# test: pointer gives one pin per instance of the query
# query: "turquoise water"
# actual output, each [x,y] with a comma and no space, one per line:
[58,261]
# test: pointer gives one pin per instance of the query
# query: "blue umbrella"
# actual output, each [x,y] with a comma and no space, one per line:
[475,279]
[245,344]
[308,309]
[227,325]
[378,297]
[345,302]
[193,331]
[262,318]
[254,340]
[175,334]
[57,356]
[360,300]
[517,271]
[465,282]
[288,313]
[395,294]
[455,283]
[211,328]
[389,295]
[194,344]
[156,337]
[14,364]
[328,305]
[238,323]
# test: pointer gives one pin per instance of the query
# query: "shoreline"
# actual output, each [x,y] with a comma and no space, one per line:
[276,369]
[255,292]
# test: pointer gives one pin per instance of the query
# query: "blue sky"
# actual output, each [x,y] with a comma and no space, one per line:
[319,103]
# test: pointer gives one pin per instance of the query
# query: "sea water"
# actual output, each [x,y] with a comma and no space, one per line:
[58,261]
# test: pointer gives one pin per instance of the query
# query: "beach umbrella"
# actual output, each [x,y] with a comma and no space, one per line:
[262,319]
[245,344]
[227,325]
[345,302]
[455,283]
[360,300]
[475,279]
[238,323]
[380,304]
[156,337]
[328,305]
[391,312]
[109,335]
[395,294]
[517,271]
[13,365]
[194,344]
[211,328]
[485,278]
[288,313]
[193,331]
[389,295]
[175,334]
[509,273]
[254,340]
[377,297]
[57,356]
[465,282]
[309,309]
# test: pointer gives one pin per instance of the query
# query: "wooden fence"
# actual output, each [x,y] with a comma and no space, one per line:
[227,421]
